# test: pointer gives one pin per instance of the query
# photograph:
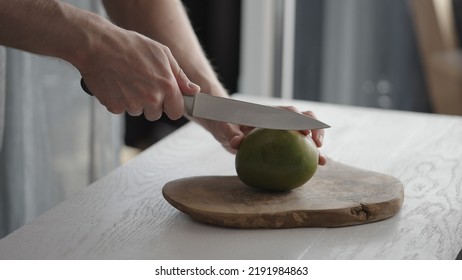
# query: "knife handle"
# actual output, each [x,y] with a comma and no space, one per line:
[188,100]
[84,87]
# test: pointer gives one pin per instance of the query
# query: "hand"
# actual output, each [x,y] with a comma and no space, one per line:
[317,135]
[231,135]
[132,73]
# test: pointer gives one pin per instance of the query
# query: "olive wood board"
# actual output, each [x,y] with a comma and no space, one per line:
[337,195]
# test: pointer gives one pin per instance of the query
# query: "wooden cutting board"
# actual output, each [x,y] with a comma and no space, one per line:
[337,195]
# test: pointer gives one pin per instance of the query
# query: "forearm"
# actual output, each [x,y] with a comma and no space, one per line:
[166,22]
[125,71]
[50,28]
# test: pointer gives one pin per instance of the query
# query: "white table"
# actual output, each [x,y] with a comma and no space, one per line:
[124,215]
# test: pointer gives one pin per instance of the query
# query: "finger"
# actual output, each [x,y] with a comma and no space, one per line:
[234,143]
[173,104]
[153,113]
[229,135]
[185,85]
[115,109]
[135,113]
[322,159]
[173,101]
[112,105]
[133,105]
[316,134]
[293,109]
[118,100]
[246,129]
[233,140]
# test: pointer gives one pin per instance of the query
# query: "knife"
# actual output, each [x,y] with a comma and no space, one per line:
[234,111]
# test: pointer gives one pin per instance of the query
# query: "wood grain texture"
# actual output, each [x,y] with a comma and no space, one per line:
[337,195]
[124,215]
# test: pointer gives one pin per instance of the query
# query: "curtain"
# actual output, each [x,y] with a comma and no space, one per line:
[358,52]
[458,19]
[56,139]
[2,92]
[2,128]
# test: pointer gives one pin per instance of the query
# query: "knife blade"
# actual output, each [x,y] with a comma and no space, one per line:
[234,111]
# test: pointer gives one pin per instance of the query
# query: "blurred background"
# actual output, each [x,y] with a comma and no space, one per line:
[390,54]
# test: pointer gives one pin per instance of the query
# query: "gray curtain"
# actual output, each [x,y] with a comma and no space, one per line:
[358,52]
[3,215]
[56,139]
[2,92]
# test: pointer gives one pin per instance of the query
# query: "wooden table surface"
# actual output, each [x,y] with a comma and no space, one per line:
[124,216]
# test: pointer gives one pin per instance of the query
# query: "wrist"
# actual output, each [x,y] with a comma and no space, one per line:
[91,32]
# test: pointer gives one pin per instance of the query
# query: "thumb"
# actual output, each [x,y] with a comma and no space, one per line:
[185,85]
[233,138]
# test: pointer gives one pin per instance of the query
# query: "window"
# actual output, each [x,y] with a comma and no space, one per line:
[356,52]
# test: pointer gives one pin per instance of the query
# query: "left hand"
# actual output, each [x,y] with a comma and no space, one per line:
[231,135]
[317,135]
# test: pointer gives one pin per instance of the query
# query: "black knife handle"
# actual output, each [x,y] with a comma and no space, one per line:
[84,87]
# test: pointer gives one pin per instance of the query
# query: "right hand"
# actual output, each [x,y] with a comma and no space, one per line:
[128,72]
